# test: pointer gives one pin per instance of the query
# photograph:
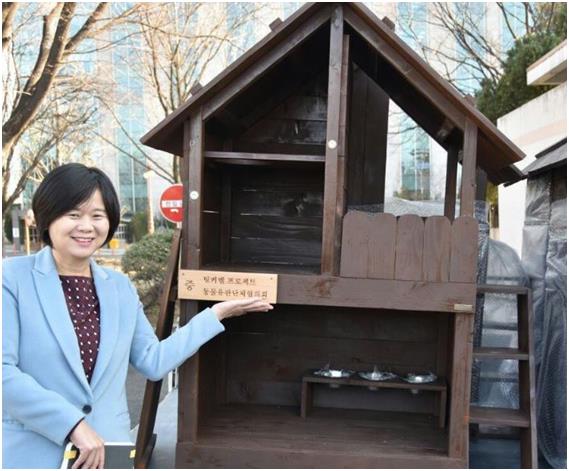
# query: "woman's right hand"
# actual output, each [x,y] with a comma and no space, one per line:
[91,447]
[239,307]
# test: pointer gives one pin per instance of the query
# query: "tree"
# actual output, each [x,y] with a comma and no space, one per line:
[176,43]
[511,90]
[46,101]
[146,261]
[475,54]
[476,60]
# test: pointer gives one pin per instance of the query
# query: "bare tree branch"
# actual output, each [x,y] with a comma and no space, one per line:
[8,13]
[506,18]
[87,27]
[48,97]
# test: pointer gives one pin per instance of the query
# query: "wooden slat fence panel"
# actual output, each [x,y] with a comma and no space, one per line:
[381,245]
[436,249]
[354,256]
[409,248]
[464,250]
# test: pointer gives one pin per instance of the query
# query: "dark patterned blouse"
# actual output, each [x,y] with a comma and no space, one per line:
[83,305]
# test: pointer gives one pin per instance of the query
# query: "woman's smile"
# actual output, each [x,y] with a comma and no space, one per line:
[83,241]
[86,225]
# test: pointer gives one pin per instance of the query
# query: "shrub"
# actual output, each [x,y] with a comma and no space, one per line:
[138,226]
[145,262]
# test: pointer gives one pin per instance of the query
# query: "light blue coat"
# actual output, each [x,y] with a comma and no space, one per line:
[44,388]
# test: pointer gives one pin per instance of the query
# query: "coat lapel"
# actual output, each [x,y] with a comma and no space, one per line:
[52,299]
[109,304]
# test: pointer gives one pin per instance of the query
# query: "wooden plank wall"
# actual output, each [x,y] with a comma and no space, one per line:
[381,246]
[267,354]
[295,126]
[276,216]
[211,214]
[368,140]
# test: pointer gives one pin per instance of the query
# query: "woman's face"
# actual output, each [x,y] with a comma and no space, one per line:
[79,232]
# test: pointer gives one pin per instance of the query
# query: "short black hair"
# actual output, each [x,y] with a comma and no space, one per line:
[67,187]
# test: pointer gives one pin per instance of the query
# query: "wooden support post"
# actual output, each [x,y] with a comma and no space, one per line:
[450,187]
[528,436]
[481,184]
[192,176]
[330,257]
[341,190]
[460,386]
[468,184]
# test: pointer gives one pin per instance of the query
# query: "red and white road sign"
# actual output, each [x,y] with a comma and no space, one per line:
[171,203]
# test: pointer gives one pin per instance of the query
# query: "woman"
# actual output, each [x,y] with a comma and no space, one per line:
[70,329]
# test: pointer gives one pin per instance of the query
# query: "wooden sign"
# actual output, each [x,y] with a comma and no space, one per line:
[225,286]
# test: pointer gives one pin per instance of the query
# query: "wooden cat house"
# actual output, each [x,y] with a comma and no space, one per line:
[275,152]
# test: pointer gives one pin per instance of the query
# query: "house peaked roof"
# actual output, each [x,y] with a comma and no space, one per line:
[496,152]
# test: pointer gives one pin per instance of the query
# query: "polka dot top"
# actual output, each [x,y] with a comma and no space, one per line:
[83,305]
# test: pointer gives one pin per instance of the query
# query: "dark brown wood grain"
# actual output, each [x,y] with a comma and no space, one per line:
[450,184]
[225,218]
[255,156]
[436,249]
[369,293]
[464,250]
[460,385]
[341,186]
[309,380]
[330,219]
[409,247]
[526,372]
[192,174]
[368,141]
[265,61]
[354,254]
[276,217]
[382,234]
[324,439]
[468,182]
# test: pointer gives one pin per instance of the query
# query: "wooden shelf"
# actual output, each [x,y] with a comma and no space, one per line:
[502,289]
[355,380]
[308,380]
[304,285]
[251,158]
[500,353]
[239,435]
[499,417]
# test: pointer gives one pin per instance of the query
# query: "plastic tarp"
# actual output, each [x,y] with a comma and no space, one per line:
[544,257]
[497,380]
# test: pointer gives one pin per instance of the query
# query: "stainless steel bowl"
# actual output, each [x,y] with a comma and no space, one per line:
[420,378]
[377,375]
[331,373]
